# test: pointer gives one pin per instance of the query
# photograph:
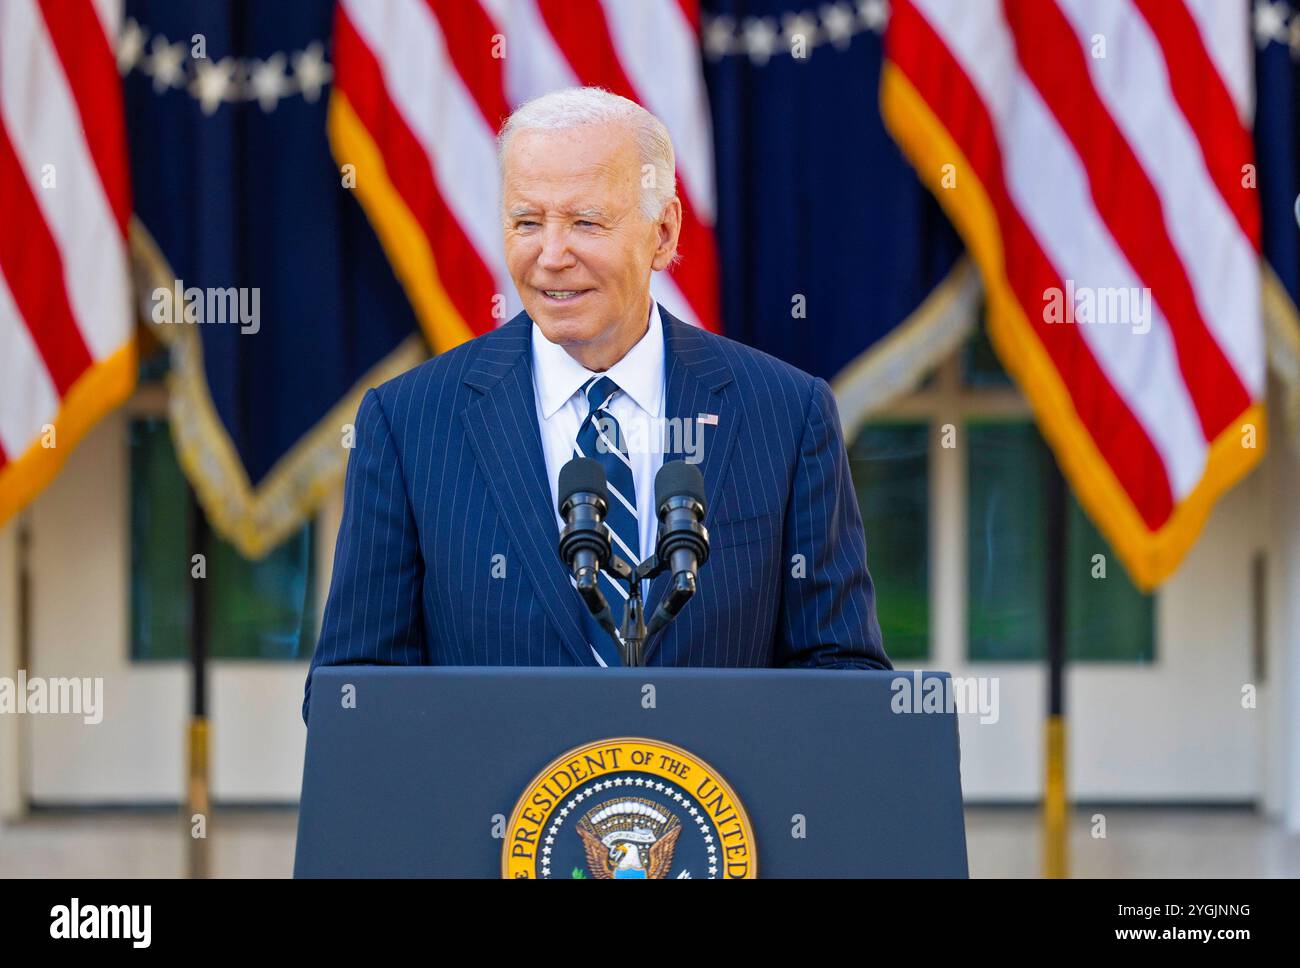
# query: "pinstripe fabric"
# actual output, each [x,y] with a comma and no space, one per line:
[447,550]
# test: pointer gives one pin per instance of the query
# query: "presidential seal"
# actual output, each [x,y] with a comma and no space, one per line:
[629,809]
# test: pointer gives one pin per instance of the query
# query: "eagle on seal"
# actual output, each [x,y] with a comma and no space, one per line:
[624,861]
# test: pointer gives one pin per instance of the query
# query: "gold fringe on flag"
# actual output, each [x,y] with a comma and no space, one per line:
[254,520]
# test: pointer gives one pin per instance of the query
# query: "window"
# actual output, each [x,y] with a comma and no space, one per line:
[256,609]
[1005,553]
[994,474]
[1107,618]
[890,465]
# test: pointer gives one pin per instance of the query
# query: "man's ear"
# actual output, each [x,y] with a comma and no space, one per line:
[670,230]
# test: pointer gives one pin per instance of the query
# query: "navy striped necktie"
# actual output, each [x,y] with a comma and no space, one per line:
[601,438]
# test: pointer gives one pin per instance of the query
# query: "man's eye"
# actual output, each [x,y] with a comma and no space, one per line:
[525,224]
[583,221]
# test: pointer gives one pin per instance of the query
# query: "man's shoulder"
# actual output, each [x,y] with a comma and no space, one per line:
[754,371]
[449,370]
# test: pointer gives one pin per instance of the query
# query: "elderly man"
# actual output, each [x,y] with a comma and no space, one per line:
[447,554]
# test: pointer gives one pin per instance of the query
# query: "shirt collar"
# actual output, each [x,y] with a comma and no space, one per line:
[639,374]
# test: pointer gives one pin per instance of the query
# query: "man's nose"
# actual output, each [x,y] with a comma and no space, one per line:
[555,248]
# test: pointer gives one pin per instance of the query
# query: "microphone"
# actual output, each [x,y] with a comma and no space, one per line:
[584,542]
[683,541]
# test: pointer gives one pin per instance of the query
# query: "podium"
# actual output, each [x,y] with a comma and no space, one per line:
[629,773]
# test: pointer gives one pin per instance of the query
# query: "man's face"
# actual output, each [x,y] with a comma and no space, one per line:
[578,246]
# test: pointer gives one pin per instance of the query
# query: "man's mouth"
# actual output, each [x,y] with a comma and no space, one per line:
[564,295]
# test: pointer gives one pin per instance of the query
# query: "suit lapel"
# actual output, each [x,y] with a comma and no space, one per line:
[695,376]
[503,432]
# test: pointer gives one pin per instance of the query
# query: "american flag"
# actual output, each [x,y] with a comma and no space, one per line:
[66,350]
[421,89]
[1103,147]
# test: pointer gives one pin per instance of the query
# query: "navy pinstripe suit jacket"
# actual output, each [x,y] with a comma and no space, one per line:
[447,474]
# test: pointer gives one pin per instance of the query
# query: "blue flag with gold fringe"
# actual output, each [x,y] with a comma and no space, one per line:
[254,262]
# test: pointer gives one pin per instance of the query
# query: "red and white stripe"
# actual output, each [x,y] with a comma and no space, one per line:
[1115,170]
[422,80]
[64,193]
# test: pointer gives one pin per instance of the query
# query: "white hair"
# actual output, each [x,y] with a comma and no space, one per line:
[576,106]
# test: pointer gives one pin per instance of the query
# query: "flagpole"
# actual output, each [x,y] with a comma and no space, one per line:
[23,661]
[1056,817]
[197,796]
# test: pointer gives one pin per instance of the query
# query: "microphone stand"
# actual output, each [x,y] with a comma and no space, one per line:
[634,627]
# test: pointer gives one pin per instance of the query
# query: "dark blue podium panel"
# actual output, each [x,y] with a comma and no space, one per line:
[416,771]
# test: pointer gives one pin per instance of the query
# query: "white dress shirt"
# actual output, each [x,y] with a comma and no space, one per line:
[558,380]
